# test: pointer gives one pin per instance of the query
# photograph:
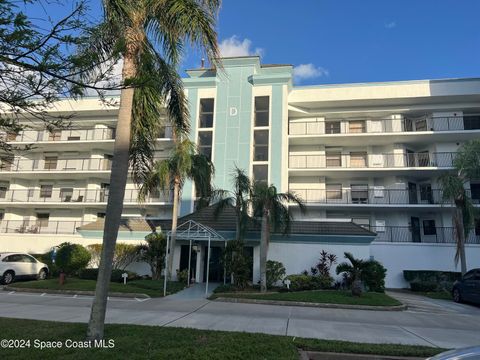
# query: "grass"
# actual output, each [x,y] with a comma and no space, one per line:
[148,342]
[321,297]
[152,288]
[442,295]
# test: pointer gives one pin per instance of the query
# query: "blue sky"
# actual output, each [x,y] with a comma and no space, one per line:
[340,41]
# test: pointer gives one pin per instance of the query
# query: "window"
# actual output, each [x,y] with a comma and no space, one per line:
[471,122]
[66,194]
[2,215]
[50,162]
[359,194]
[475,191]
[477,227]
[3,191]
[46,191]
[55,135]
[260,173]
[426,193]
[260,138]
[206,113]
[334,191]
[28,259]
[261,111]
[334,159]
[101,215]
[357,126]
[358,159]
[332,127]
[42,219]
[205,143]
[429,227]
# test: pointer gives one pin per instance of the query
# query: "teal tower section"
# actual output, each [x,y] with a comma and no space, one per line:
[234,85]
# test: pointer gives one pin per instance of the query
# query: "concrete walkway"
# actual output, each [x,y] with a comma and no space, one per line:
[194,292]
[449,329]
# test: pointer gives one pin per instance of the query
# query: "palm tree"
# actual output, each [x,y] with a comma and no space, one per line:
[238,198]
[467,168]
[354,272]
[149,36]
[184,163]
[271,206]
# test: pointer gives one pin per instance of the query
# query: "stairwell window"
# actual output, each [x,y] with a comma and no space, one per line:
[260,173]
[205,127]
[262,115]
[260,139]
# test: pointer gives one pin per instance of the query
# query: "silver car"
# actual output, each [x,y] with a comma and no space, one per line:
[14,266]
[469,353]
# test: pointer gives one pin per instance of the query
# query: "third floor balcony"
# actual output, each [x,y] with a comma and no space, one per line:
[364,160]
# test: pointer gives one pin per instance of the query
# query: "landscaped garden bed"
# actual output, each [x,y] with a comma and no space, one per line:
[140,342]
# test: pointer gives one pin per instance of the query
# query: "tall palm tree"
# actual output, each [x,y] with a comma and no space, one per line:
[149,36]
[353,271]
[272,207]
[184,162]
[238,198]
[467,168]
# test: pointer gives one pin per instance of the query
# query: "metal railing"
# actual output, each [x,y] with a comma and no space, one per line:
[90,164]
[375,195]
[39,226]
[70,134]
[371,126]
[364,160]
[408,234]
[75,195]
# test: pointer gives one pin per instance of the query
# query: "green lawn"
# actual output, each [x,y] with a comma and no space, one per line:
[322,297]
[149,342]
[152,288]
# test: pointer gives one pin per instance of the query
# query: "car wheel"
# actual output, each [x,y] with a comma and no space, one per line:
[457,297]
[42,275]
[8,277]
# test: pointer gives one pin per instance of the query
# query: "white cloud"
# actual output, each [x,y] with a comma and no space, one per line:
[233,46]
[390,25]
[308,71]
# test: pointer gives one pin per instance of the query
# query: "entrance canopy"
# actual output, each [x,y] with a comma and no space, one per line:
[192,231]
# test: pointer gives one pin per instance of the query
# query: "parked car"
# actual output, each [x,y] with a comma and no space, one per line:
[469,353]
[14,266]
[468,288]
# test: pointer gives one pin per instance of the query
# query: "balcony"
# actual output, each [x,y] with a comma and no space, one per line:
[372,126]
[39,227]
[406,234]
[372,196]
[53,164]
[70,135]
[73,196]
[362,160]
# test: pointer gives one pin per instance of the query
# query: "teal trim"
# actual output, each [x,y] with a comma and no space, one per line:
[269,79]
[199,82]
[276,136]
[122,235]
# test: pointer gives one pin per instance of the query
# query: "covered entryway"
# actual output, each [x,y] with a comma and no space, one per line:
[198,235]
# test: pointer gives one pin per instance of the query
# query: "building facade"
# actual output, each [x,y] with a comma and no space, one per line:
[369,153]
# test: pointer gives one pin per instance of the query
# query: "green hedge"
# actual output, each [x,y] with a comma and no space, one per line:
[431,275]
[92,274]
[309,282]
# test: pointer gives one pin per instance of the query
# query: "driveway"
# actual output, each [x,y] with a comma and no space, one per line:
[448,328]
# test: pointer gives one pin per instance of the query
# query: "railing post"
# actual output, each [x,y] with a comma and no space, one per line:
[56,230]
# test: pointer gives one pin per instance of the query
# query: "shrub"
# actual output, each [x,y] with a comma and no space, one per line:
[309,282]
[275,272]
[426,286]
[153,253]
[237,263]
[71,258]
[224,289]
[47,259]
[443,280]
[373,276]
[325,263]
[124,255]
[182,276]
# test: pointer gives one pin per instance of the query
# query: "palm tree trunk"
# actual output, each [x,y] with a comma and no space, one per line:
[460,232]
[263,252]
[173,236]
[118,180]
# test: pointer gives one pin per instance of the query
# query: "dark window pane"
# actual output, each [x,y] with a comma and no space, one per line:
[261,111]
[475,189]
[332,127]
[206,113]
[471,122]
[205,143]
[46,191]
[429,227]
[260,172]
[260,145]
